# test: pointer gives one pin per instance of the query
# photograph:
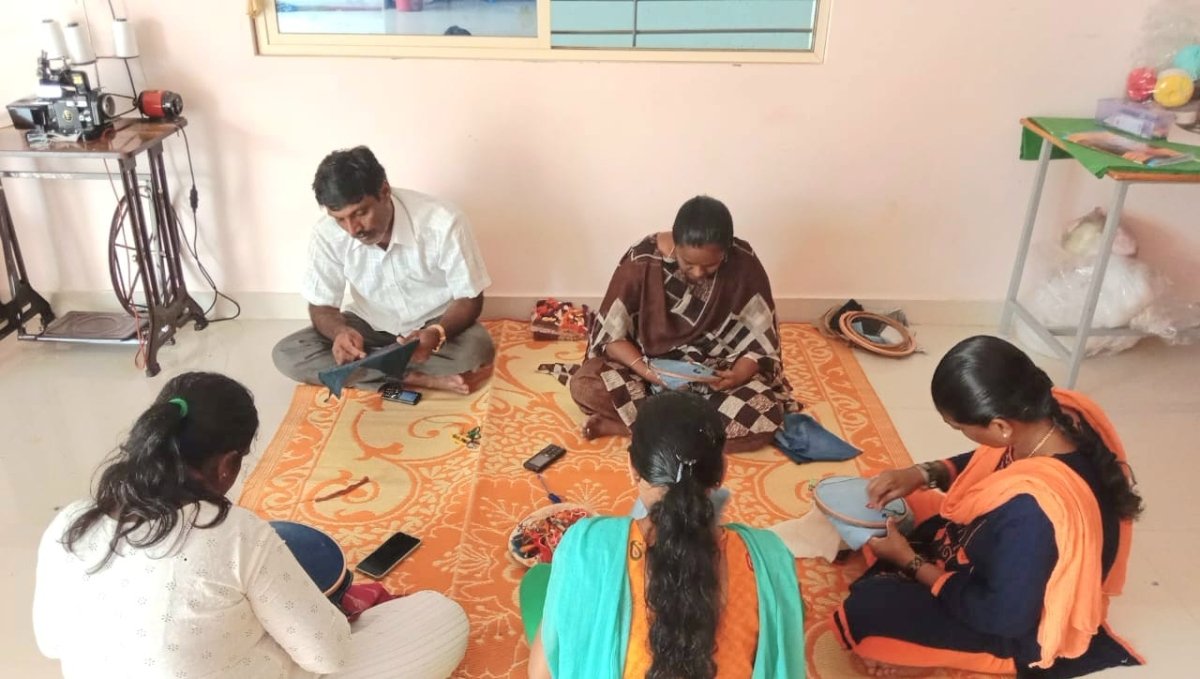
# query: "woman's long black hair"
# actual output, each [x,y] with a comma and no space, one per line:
[984,378]
[678,440]
[152,475]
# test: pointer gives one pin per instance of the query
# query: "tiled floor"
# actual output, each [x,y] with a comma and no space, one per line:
[64,408]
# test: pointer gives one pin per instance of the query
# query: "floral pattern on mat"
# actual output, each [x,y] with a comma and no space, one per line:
[463,502]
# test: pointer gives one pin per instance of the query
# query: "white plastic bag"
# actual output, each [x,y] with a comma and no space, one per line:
[1057,301]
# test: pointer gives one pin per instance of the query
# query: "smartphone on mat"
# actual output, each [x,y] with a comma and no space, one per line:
[544,458]
[381,561]
[397,393]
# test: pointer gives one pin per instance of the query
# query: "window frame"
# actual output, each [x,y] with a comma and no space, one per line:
[270,42]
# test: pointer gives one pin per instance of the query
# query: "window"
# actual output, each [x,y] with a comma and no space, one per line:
[585,30]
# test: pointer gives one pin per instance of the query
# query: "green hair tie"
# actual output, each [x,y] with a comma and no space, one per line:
[183,406]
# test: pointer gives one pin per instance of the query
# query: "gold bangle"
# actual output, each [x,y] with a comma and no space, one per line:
[441,337]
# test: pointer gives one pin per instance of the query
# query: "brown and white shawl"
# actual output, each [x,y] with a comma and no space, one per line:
[730,316]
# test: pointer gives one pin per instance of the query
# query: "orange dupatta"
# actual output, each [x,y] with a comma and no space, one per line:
[1076,601]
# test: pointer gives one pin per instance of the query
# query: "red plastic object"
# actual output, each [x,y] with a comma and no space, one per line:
[1140,83]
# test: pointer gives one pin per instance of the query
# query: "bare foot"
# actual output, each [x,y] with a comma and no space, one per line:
[599,425]
[462,384]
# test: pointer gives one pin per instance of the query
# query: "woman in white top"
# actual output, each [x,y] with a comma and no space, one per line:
[159,575]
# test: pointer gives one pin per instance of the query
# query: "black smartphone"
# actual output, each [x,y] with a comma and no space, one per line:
[544,458]
[381,561]
[397,393]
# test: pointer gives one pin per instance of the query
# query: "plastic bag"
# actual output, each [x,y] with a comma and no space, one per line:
[1172,321]
[1129,287]
[1169,26]
[1083,236]
[1127,290]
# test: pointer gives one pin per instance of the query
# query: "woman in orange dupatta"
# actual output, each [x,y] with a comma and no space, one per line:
[1009,571]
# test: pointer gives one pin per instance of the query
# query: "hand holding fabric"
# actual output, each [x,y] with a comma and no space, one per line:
[429,339]
[893,547]
[348,346]
[740,373]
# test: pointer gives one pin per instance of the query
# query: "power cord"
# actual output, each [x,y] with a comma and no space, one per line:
[194,246]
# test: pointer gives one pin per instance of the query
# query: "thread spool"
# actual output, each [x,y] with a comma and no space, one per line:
[1188,59]
[1140,83]
[125,43]
[79,46]
[53,42]
[1174,88]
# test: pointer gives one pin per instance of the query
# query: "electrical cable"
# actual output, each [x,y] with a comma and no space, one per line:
[194,246]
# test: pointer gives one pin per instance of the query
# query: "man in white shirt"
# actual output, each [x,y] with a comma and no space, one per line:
[413,271]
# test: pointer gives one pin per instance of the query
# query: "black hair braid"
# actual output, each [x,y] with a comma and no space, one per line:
[683,584]
[677,445]
[1123,498]
[150,476]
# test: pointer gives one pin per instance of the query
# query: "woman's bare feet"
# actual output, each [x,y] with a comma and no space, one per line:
[463,384]
[599,425]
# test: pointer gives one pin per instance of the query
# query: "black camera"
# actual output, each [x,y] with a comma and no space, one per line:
[65,104]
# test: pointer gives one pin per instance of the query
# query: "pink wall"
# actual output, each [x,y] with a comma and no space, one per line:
[890,171]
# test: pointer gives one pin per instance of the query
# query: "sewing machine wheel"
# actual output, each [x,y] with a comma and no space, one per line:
[124,266]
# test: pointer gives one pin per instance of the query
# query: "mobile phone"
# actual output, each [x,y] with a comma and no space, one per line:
[381,561]
[397,393]
[544,458]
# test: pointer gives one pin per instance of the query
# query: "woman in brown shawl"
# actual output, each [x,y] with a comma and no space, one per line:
[695,294]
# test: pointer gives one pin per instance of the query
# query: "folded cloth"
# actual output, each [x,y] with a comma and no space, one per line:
[361,596]
[803,439]
[391,361]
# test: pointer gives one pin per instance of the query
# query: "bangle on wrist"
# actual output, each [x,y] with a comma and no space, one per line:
[932,473]
[912,567]
[925,478]
[441,336]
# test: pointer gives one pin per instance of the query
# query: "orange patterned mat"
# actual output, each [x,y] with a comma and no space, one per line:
[463,502]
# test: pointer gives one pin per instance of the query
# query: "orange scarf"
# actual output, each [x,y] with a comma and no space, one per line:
[1076,602]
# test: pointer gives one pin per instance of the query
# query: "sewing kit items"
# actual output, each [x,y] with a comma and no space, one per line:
[470,439]
[1174,88]
[1144,120]
[1139,85]
[535,537]
[554,320]
[884,334]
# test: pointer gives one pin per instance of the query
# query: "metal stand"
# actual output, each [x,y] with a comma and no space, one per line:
[26,303]
[1074,355]
[168,304]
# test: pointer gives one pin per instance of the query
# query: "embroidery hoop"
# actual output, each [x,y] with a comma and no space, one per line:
[856,530]
[846,331]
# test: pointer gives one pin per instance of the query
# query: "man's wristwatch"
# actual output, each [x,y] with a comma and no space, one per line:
[441,336]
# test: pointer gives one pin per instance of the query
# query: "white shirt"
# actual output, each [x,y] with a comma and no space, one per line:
[430,261]
[228,602]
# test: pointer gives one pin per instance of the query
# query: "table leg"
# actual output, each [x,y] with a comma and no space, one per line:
[150,284]
[1031,211]
[168,231]
[26,302]
[1093,295]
